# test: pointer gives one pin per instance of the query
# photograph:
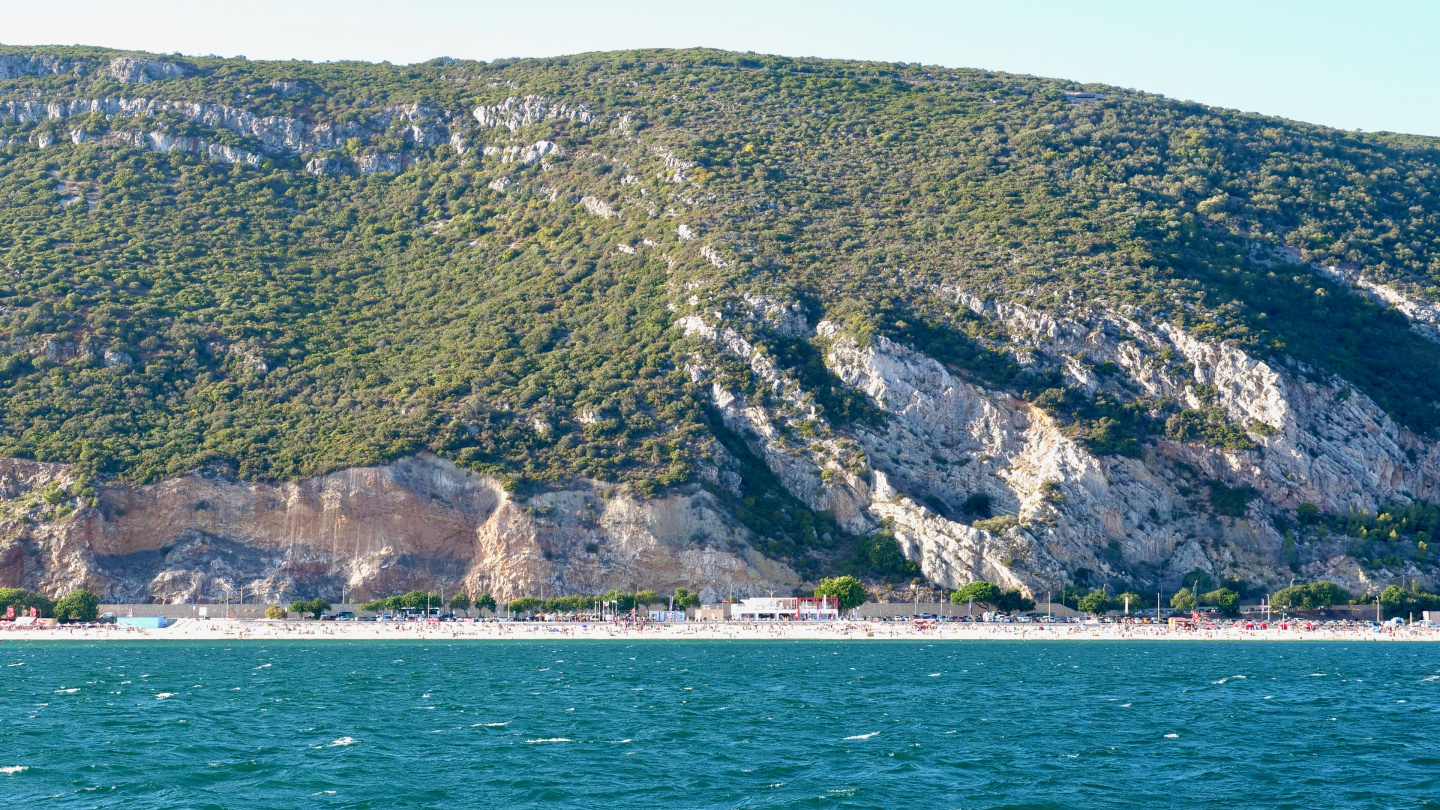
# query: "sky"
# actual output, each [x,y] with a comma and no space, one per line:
[1354,65]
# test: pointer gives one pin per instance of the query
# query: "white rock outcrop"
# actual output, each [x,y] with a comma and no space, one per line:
[136,70]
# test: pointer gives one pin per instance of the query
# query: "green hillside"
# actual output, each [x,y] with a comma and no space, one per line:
[280,323]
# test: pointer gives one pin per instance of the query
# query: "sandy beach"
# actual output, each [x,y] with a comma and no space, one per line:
[264,630]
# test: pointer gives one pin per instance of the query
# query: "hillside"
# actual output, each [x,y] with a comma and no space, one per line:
[699,318]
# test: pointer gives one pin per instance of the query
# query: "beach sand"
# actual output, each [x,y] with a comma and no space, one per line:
[260,630]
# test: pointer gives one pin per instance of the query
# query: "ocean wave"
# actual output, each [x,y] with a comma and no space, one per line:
[9,769]
[164,695]
[863,736]
[344,741]
[551,739]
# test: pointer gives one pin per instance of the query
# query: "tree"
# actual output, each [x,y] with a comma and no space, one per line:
[646,597]
[1095,603]
[1325,593]
[525,604]
[684,599]
[23,600]
[846,590]
[314,607]
[1225,599]
[1197,581]
[1183,600]
[274,612]
[1013,601]
[1136,601]
[485,602]
[879,555]
[1308,513]
[1310,596]
[979,590]
[418,600]
[460,601]
[78,606]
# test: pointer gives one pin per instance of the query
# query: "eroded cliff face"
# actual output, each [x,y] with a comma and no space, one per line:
[420,522]
[947,439]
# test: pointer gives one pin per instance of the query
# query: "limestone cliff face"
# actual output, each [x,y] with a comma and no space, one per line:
[948,439]
[417,523]
[422,522]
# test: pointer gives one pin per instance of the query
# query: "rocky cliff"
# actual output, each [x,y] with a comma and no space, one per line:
[420,522]
[1145,518]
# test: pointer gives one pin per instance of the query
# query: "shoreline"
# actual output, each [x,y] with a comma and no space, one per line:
[291,630]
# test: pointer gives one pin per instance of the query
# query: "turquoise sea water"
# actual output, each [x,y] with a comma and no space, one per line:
[719,725]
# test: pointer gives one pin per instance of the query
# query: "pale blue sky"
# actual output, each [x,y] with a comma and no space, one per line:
[1373,65]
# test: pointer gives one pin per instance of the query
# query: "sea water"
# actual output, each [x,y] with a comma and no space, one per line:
[715,724]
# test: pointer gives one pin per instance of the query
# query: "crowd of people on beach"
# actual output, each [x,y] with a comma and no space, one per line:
[640,628]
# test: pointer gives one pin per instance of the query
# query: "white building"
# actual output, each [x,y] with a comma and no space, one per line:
[801,608]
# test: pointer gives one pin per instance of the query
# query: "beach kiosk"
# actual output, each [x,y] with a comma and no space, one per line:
[143,622]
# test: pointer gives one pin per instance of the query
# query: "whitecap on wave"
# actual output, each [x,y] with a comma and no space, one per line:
[863,736]
[164,695]
[344,741]
[9,769]
[551,739]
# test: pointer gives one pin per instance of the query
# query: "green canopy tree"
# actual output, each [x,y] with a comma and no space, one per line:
[314,607]
[1310,596]
[684,599]
[1225,599]
[460,601]
[848,591]
[526,604]
[23,600]
[485,602]
[78,606]
[1013,601]
[1183,600]
[1136,601]
[1096,603]
[979,590]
